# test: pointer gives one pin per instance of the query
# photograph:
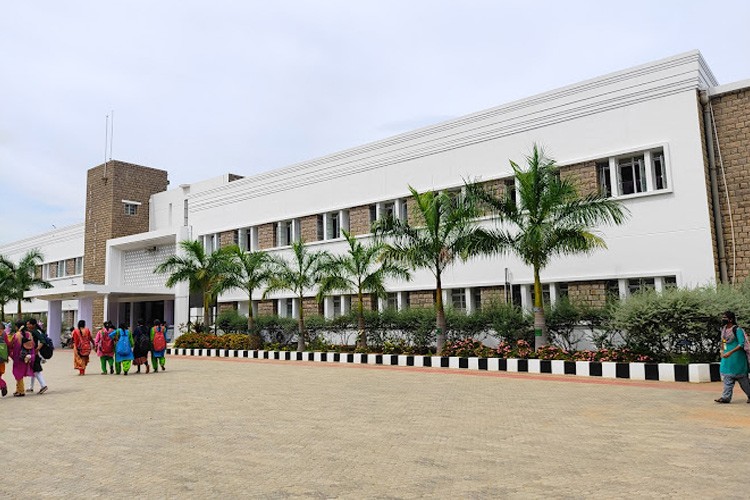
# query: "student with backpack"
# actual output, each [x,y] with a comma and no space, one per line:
[123,349]
[4,354]
[40,341]
[22,353]
[734,365]
[159,345]
[82,343]
[105,348]
[142,346]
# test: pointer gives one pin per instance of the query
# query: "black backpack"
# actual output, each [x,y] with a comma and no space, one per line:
[144,342]
[48,348]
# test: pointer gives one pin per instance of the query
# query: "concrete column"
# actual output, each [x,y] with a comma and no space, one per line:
[86,311]
[553,293]
[131,320]
[181,312]
[169,312]
[470,307]
[54,321]
[113,312]
[527,302]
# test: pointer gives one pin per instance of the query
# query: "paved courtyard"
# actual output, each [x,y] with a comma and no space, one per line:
[269,429]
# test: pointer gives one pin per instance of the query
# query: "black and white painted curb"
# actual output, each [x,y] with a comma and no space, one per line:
[667,372]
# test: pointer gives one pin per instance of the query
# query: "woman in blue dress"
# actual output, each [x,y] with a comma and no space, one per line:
[734,365]
[123,349]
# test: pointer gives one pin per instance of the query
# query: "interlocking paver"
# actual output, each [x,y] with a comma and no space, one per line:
[237,428]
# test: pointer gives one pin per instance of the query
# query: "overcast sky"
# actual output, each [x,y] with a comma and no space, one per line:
[201,88]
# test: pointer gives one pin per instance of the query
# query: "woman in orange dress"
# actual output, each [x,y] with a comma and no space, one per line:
[82,343]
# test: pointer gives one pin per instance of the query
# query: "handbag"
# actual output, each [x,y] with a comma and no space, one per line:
[28,344]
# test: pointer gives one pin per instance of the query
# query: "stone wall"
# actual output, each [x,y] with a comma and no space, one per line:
[422,299]
[311,307]
[265,236]
[732,112]
[227,306]
[583,175]
[266,308]
[492,295]
[70,267]
[309,228]
[227,238]
[359,220]
[588,293]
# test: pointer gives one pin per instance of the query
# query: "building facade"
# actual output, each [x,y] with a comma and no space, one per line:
[664,138]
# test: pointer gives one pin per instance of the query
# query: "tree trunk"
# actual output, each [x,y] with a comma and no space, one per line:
[540,327]
[440,315]
[250,318]
[362,338]
[18,301]
[2,312]
[206,305]
[301,340]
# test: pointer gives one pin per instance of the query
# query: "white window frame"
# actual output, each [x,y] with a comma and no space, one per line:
[648,159]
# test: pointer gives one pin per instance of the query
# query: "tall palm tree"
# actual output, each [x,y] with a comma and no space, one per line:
[203,271]
[303,272]
[444,238]
[248,271]
[361,270]
[549,218]
[23,277]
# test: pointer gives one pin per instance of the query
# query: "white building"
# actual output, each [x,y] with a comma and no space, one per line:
[637,134]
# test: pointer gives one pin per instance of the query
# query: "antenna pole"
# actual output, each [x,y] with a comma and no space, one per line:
[106,143]
[112,134]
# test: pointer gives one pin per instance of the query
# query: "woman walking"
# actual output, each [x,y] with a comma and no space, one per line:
[105,348]
[158,345]
[123,349]
[733,366]
[141,347]
[22,353]
[82,343]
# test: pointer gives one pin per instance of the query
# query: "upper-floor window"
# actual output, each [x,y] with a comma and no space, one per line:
[130,208]
[334,226]
[640,285]
[60,269]
[79,265]
[286,232]
[640,172]
[510,190]
[210,243]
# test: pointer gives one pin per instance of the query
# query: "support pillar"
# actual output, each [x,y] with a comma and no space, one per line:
[54,321]
[86,311]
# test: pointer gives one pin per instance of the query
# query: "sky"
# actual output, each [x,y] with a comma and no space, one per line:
[202,88]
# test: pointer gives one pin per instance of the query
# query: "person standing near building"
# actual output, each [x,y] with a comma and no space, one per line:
[4,356]
[32,326]
[141,347]
[105,348]
[22,354]
[123,349]
[734,365]
[82,343]
[159,345]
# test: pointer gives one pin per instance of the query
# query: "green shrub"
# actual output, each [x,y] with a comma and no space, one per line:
[231,321]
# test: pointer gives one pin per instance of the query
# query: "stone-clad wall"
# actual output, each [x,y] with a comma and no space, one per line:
[227,238]
[309,229]
[359,220]
[265,236]
[588,293]
[583,175]
[422,299]
[732,116]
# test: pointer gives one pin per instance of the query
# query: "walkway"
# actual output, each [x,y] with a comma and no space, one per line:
[265,429]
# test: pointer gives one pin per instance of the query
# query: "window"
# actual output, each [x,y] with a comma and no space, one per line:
[373,213]
[612,290]
[389,210]
[185,213]
[391,301]
[289,312]
[515,295]
[510,190]
[405,300]
[404,210]
[670,281]
[476,294]
[334,226]
[640,285]
[209,243]
[336,306]
[659,169]
[603,178]
[130,208]
[632,175]
[562,290]
[79,265]
[458,299]
[546,296]
[319,232]
[285,233]
[60,269]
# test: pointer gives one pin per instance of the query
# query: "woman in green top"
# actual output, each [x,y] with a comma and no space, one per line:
[733,366]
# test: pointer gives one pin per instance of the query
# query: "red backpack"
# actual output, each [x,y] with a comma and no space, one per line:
[106,344]
[84,349]
[160,342]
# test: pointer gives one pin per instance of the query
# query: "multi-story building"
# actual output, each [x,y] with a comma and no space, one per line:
[664,138]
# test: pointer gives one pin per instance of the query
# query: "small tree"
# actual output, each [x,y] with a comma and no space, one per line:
[361,270]
[549,218]
[20,278]
[302,273]
[247,271]
[443,238]
[204,272]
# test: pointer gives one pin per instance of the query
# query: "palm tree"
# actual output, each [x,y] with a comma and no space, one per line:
[21,278]
[248,271]
[304,272]
[444,238]
[550,218]
[203,271]
[6,280]
[361,270]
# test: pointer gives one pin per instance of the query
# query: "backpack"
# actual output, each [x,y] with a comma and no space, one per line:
[160,342]
[747,342]
[106,344]
[48,348]
[143,342]
[84,349]
[3,351]
[123,344]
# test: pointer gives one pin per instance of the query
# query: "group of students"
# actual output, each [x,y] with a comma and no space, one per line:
[28,347]
[119,349]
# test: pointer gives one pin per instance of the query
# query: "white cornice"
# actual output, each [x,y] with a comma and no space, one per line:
[729,87]
[650,81]
[68,233]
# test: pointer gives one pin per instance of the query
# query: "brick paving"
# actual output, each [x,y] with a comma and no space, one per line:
[265,429]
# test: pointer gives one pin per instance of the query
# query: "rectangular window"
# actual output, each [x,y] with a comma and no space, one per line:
[334,226]
[319,234]
[391,301]
[405,300]
[289,313]
[373,213]
[285,233]
[515,295]
[510,190]
[640,285]
[477,296]
[562,290]
[659,169]
[336,306]
[458,299]
[612,288]
[404,210]
[389,209]
[546,296]
[60,269]
[185,213]
[632,175]
[79,265]
[670,281]
[130,208]
[603,179]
